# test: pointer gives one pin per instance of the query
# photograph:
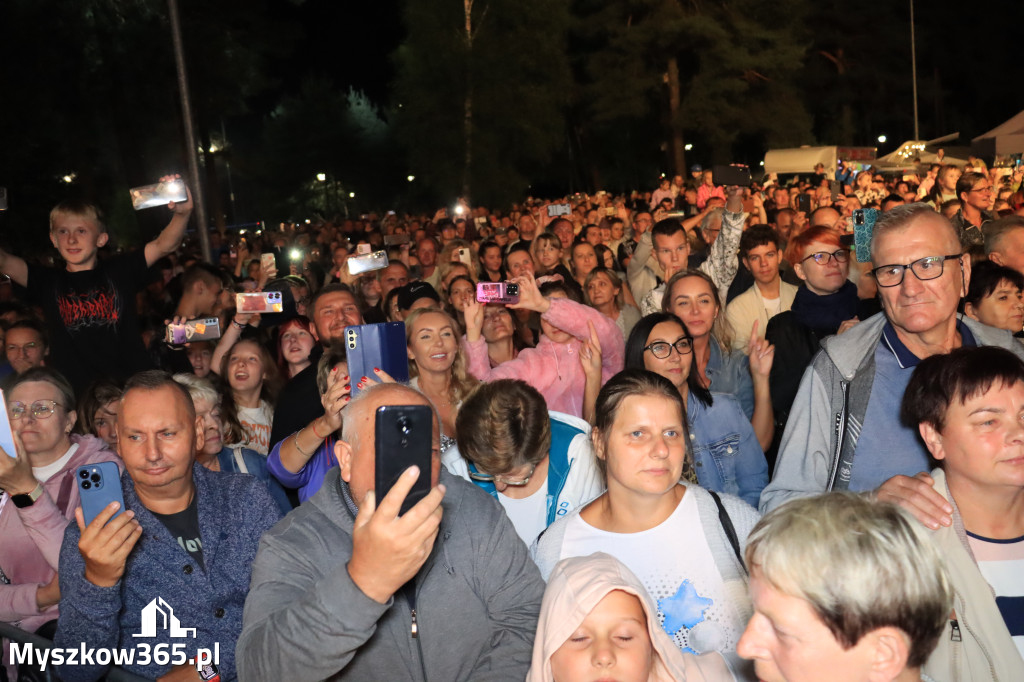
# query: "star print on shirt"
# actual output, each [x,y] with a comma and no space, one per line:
[684,609]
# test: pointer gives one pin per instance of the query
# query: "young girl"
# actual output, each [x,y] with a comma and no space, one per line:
[252,377]
[461,291]
[727,455]
[553,367]
[547,256]
[597,621]
[682,542]
[294,344]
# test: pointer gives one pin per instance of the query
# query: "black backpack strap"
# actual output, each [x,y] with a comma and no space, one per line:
[730,530]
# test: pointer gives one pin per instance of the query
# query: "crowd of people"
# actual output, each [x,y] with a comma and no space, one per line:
[705,436]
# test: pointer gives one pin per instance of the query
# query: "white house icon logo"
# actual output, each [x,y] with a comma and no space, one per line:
[158,608]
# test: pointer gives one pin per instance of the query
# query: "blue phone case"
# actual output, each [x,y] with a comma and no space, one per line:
[98,485]
[863,224]
[376,345]
[6,433]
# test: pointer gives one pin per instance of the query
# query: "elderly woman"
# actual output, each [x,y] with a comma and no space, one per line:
[215,455]
[40,496]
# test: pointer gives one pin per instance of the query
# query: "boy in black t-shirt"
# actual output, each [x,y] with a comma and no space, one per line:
[89,305]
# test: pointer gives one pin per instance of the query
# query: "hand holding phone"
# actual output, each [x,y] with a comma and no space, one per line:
[6,431]
[106,542]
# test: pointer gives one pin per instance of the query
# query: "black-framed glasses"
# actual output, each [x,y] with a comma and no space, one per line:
[500,478]
[981,189]
[663,349]
[929,267]
[824,257]
[40,409]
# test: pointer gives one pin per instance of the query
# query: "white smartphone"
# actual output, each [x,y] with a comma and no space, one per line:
[6,433]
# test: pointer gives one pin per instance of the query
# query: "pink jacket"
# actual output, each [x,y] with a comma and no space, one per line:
[32,537]
[554,368]
[575,587]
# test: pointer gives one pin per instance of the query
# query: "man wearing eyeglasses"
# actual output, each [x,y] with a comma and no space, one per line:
[25,345]
[975,193]
[844,431]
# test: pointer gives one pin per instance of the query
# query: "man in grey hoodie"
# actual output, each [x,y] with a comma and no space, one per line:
[351,590]
[844,431]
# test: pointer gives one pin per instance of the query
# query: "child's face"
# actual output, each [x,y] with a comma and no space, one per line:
[77,238]
[611,643]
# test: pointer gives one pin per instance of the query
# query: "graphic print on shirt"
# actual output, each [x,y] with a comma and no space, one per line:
[97,307]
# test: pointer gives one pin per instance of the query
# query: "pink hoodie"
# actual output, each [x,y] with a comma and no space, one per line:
[32,537]
[575,587]
[554,368]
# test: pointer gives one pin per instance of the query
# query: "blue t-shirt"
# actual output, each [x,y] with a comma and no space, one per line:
[886,447]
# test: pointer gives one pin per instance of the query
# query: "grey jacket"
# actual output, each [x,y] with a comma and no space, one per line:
[828,412]
[477,599]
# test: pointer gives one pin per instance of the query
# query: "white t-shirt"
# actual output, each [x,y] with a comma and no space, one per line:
[256,423]
[45,473]
[674,563]
[530,514]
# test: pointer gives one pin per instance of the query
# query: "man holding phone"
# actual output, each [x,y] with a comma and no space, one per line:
[446,589]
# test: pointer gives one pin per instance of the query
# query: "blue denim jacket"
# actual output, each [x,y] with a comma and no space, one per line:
[730,373]
[726,453]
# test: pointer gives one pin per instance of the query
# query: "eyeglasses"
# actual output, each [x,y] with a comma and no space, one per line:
[40,409]
[489,478]
[981,189]
[663,349]
[824,257]
[929,267]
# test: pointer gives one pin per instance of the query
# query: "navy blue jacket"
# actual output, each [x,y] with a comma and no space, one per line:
[234,512]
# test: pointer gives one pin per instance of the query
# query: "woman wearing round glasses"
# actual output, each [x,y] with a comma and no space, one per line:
[39,495]
[825,304]
[726,455]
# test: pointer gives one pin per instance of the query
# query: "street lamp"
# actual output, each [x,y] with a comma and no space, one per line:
[351,195]
[321,177]
[410,178]
[882,139]
[688,147]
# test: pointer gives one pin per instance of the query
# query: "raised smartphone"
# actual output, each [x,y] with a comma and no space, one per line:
[99,484]
[555,210]
[863,224]
[160,194]
[357,265]
[6,432]
[497,292]
[404,437]
[735,175]
[260,302]
[204,329]
[380,345]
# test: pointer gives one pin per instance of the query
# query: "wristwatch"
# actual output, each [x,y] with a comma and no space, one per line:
[27,499]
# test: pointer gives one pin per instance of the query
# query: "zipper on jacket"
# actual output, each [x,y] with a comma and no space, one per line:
[954,636]
[415,629]
[840,432]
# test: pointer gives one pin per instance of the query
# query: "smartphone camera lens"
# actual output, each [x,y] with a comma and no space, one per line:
[512,289]
[86,485]
[83,473]
[95,478]
[403,425]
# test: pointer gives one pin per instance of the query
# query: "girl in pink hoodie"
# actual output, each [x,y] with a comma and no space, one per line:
[553,367]
[597,622]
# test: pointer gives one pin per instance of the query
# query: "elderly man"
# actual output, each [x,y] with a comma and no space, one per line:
[844,589]
[843,431]
[348,589]
[334,308]
[185,542]
[1004,242]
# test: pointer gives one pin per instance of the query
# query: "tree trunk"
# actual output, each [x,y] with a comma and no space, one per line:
[678,149]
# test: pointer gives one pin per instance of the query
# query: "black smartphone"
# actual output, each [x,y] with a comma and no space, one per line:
[380,345]
[803,203]
[98,485]
[731,176]
[404,438]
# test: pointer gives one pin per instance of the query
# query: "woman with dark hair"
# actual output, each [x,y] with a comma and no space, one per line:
[726,454]
[461,291]
[98,411]
[994,297]
[683,542]
[251,374]
[501,330]
[491,268]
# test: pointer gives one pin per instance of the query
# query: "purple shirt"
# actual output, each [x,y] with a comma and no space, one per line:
[311,476]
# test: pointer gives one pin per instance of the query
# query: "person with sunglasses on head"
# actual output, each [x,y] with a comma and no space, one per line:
[844,431]
[39,496]
[825,304]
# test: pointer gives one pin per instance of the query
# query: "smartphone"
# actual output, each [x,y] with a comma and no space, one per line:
[267,261]
[357,265]
[609,211]
[98,485]
[3,198]
[735,175]
[803,203]
[404,438]
[380,345]
[6,432]
[204,329]
[555,210]
[395,239]
[466,258]
[833,187]
[260,302]
[497,292]
[863,224]
[160,194]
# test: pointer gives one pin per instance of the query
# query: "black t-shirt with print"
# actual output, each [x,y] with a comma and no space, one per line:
[91,318]
[184,528]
